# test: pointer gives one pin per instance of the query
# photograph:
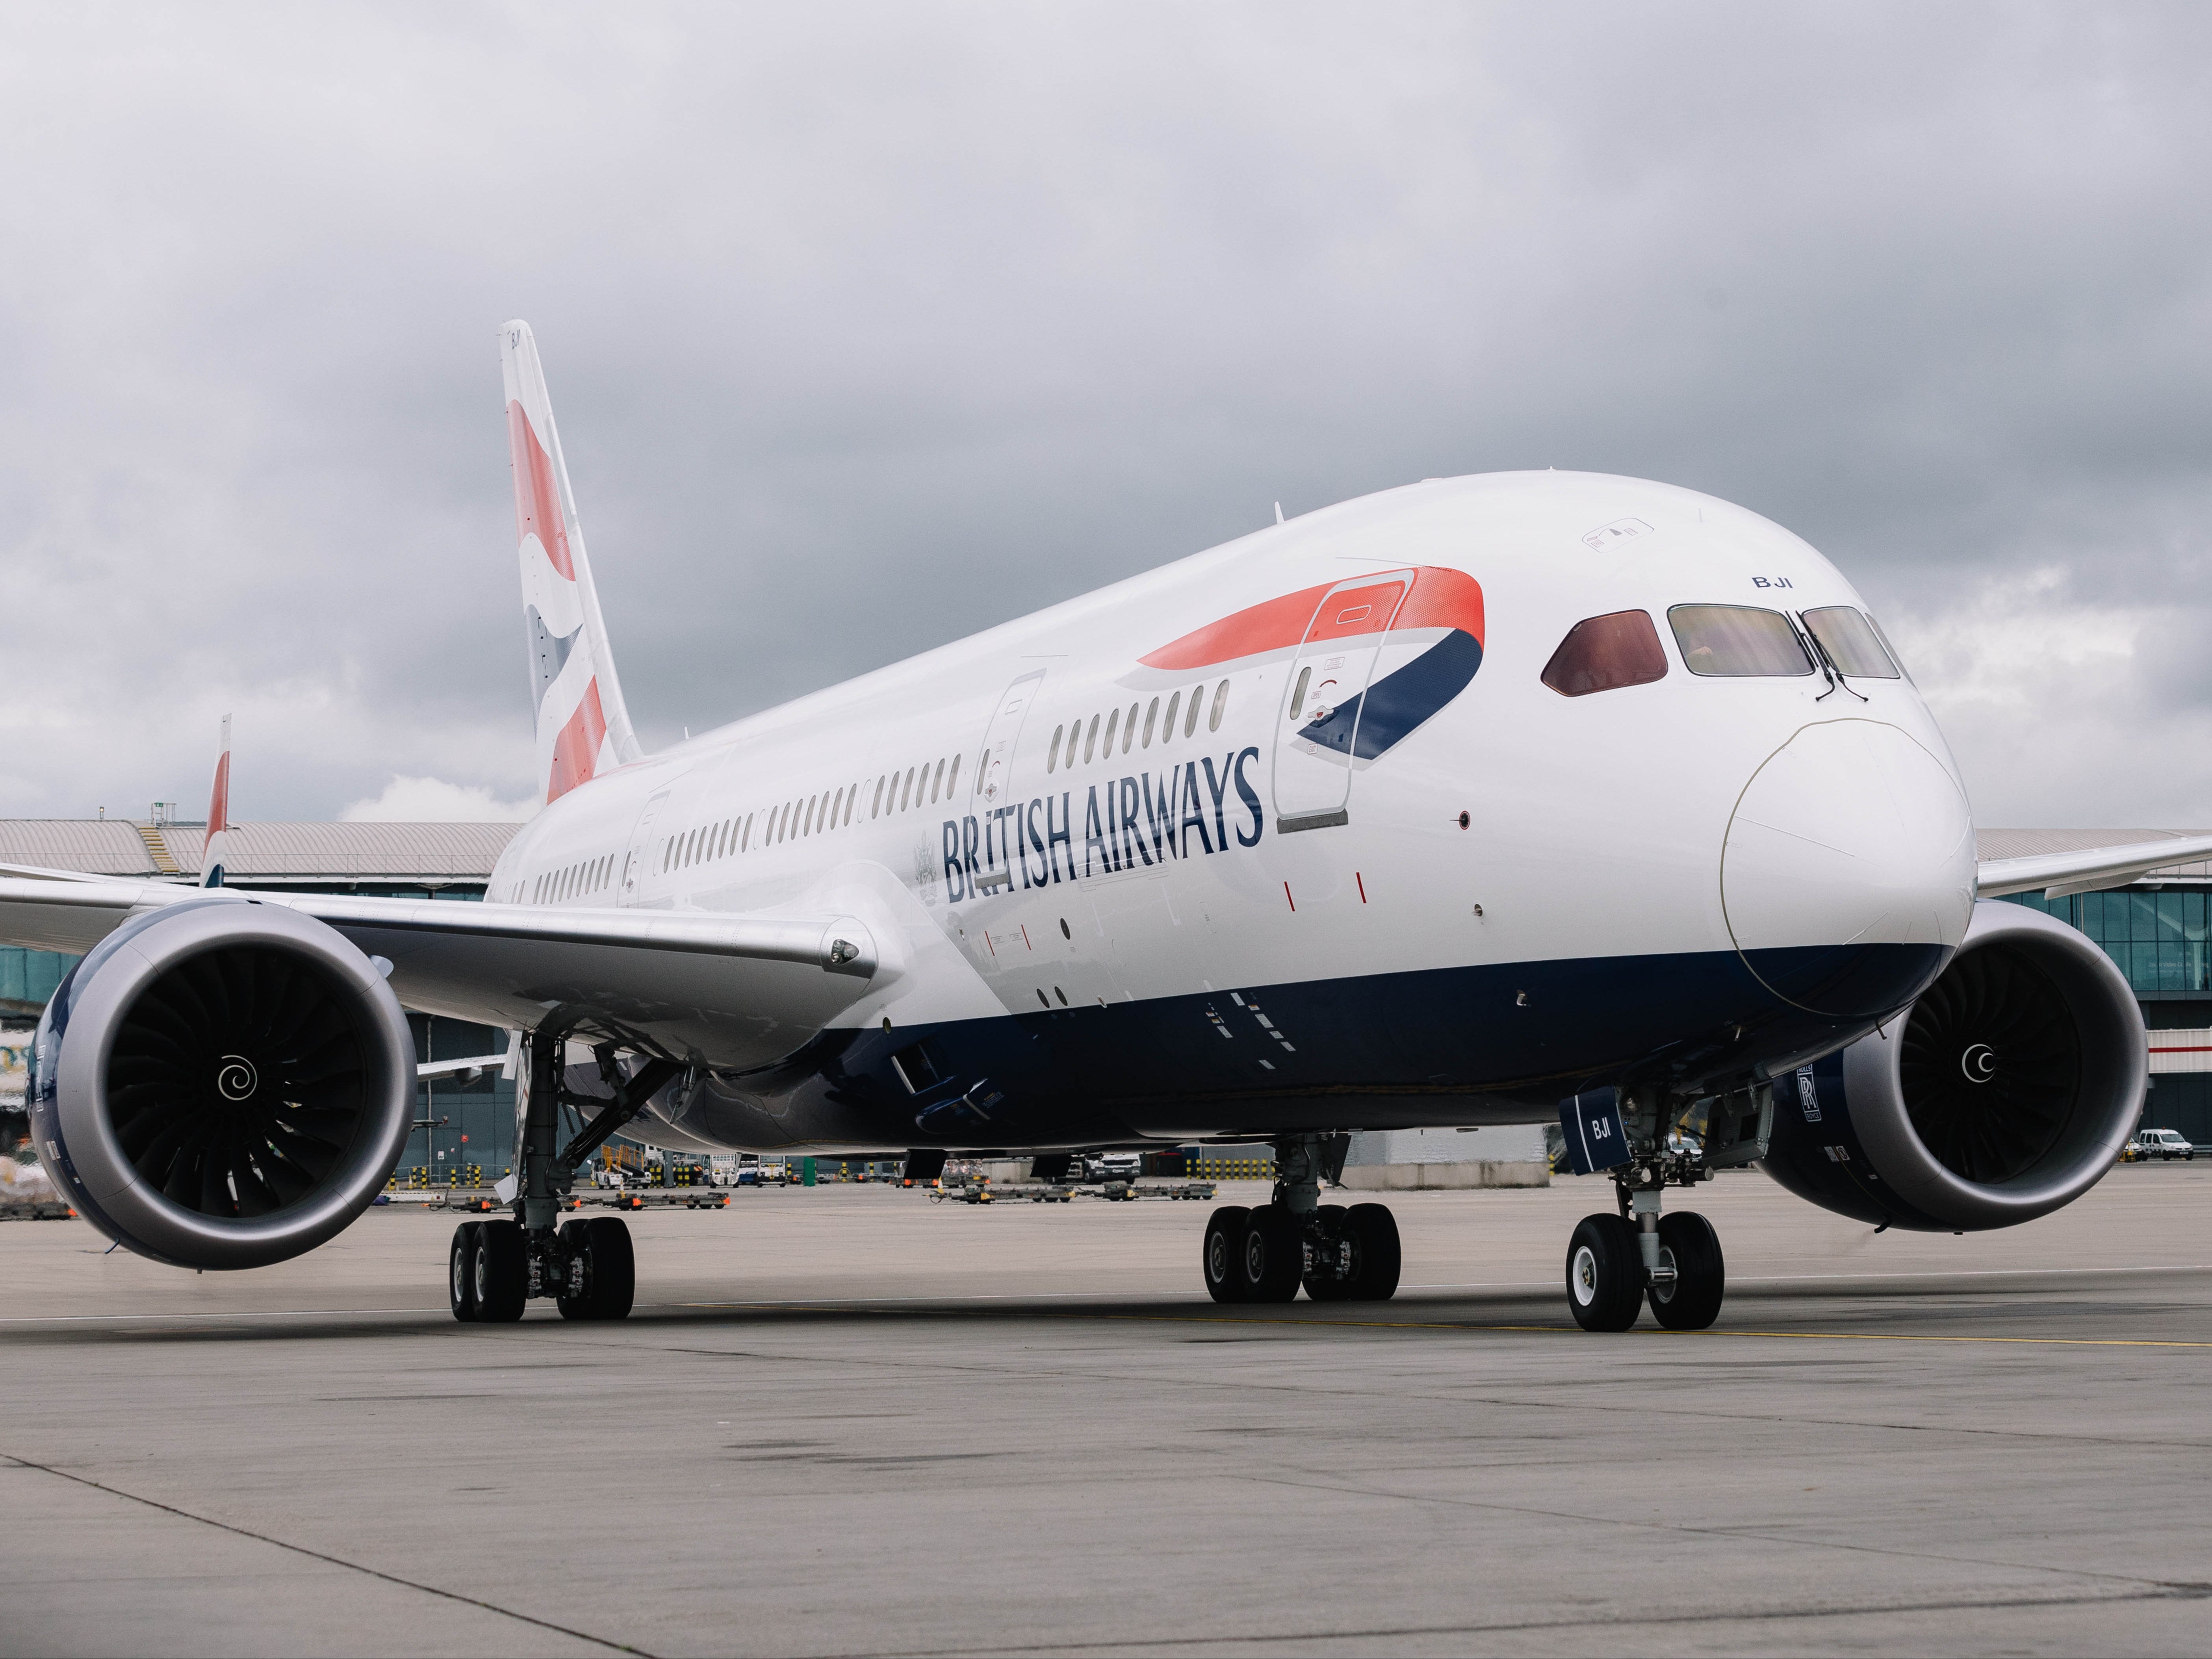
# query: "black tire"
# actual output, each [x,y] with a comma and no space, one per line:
[1221,1257]
[461,1273]
[1327,1285]
[500,1266]
[613,1287]
[1375,1231]
[1275,1256]
[1605,1275]
[1693,1302]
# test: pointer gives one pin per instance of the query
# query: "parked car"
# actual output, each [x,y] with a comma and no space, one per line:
[1113,1166]
[2162,1144]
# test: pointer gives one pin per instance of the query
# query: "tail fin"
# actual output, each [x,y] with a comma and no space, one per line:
[583,729]
[215,851]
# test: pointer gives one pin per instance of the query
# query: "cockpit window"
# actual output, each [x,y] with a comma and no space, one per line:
[1603,653]
[1737,639]
[1851,643]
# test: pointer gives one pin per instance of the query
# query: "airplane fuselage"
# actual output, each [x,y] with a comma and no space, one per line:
[1293,834]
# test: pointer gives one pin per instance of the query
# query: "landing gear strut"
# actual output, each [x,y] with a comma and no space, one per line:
[1338,1253]
[496,1268]
[1617,1263]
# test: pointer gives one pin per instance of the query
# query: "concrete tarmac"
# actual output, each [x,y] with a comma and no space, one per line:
[846,1420]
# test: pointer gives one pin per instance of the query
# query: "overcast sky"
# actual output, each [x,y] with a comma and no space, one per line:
[868,327]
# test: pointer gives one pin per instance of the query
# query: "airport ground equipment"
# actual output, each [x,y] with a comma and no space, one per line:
[2162,1144]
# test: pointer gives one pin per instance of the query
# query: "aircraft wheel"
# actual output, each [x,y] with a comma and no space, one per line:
[573,1241]
[461,1273]
[1223,1256]
[500,1265]
[614,1268]
[1693,1301]
[1374,1231]
[1325,1285]
[1273,1256]
[1605,1275]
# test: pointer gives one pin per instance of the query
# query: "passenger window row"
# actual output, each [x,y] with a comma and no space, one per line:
[1605,653]
[575,880]
[1086,736]
[811,815]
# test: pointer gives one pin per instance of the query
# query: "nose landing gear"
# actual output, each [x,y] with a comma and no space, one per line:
[1617,1263]
[1338,1253]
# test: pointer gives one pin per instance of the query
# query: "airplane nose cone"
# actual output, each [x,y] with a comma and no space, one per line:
[1847,877]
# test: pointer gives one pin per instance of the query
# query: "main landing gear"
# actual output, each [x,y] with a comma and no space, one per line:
[1338,1253]
[496,1268]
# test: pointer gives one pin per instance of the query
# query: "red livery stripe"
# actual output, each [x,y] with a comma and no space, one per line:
[537,496]
[1440,599]
[576,751]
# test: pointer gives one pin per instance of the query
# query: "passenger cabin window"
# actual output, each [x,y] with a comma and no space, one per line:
[1737,640]
[1220,702]
[1603,653]
[1851,643]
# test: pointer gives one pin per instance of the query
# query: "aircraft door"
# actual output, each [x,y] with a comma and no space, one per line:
[1328,678]
[995,784]
[641,848]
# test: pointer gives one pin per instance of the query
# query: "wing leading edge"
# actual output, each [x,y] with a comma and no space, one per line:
[730,991]
[2085,869]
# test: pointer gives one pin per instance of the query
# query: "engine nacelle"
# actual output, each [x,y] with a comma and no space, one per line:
[222,1084]
[2007,1090]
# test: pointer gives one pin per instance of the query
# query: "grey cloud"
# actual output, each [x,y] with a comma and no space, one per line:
[869,326]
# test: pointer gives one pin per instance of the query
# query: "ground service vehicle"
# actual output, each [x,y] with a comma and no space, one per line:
[2163,1144]
[1504,799]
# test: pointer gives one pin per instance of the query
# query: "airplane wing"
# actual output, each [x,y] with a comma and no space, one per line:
[2085,869]
[734,990]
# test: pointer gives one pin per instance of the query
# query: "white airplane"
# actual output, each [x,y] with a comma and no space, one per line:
[1486,800]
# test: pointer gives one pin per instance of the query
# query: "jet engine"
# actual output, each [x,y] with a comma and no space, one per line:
[222,1084]
[2006,1090]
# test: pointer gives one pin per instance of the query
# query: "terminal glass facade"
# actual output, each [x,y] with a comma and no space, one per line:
[2158,938]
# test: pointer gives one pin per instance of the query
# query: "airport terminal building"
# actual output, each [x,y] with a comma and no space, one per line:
[2158,928]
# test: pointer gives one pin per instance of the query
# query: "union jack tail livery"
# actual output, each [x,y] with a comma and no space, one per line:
[583,729]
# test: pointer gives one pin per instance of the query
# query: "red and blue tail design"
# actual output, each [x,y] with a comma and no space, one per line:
[583,728]
[1434,609]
